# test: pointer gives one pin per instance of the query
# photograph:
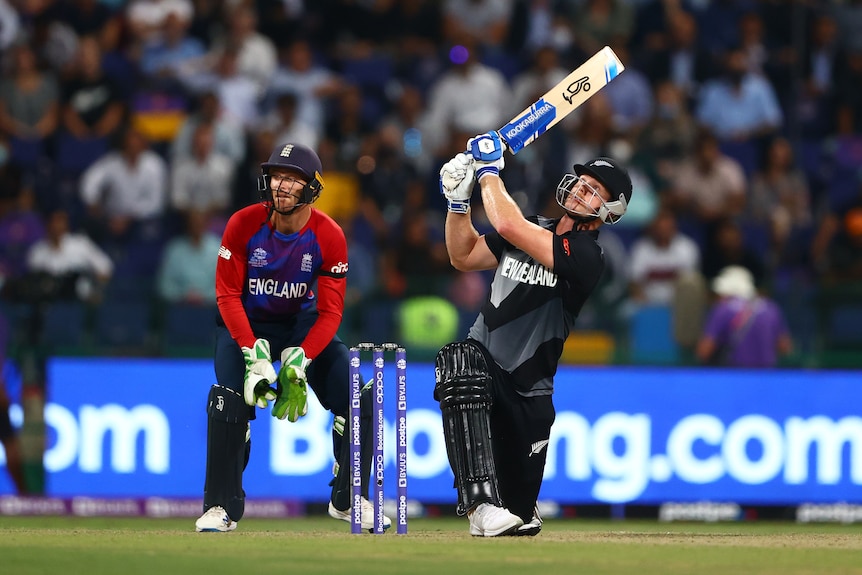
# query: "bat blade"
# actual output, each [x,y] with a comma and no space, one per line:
[559,101]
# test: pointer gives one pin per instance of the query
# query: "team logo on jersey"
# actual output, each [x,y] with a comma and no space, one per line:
[537,447]
[258,258]
[307,260]
[224,253]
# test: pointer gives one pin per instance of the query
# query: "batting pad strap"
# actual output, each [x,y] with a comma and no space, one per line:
[225,404]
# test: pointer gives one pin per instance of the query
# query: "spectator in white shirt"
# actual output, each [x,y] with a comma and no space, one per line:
[659,258]
[124,188]
[64,254]
[469,97]
[203,180]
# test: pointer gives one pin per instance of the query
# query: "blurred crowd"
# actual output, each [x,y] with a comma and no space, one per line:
[131,131]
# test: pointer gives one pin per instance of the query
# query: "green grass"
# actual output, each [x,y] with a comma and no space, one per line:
[96,546]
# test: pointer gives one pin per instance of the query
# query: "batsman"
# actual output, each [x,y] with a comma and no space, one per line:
[280,285]
[495,388]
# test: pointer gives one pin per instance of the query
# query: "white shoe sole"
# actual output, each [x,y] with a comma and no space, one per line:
[346,516]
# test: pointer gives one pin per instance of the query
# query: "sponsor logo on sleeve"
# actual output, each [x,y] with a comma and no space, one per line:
[224,253]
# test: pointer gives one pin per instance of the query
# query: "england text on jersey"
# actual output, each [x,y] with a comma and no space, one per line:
[524,272]
[266,286]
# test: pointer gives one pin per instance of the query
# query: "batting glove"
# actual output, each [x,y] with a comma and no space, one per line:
[259,373]
[457,178]
[487,152]
[292,401]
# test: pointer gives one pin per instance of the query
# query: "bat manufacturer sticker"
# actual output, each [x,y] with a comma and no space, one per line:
[573,89]
[531,124]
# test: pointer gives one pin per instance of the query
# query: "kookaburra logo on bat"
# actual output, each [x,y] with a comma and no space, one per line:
[575,87]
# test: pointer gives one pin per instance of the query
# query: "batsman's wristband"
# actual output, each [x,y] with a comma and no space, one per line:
[486,170]
[457,206]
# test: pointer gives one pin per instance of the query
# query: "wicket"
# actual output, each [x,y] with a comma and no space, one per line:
[378,351]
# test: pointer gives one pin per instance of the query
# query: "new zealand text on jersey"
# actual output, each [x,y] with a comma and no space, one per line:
[533,274]
[265,286]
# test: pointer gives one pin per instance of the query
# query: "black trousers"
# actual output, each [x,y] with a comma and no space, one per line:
[520,432]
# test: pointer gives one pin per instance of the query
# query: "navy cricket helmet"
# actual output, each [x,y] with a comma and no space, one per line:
[299,158]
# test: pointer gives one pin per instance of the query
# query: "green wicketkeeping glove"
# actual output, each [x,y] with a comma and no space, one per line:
[292,400]
[259,373]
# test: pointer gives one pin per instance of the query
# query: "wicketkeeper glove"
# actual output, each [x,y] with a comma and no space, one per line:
[457,179]
[487,152]
[292,400]
[259,373]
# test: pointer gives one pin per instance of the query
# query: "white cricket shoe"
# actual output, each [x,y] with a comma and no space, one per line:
[367,515]
[488,520]
[533,527]
[215,519]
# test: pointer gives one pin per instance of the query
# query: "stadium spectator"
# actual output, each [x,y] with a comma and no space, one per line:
[146,18]
[739,105]
[477,22]
[347,134]
[187,269]
[417,30]
[780,201]
[29,106]
[740,108]
[229,136]
[837,245]
[683,61]
[469,96]
[669,137]
[204,180]
[256,56]
[743,329]
[416,262]
[597,23]
[658,259]
[91,18]
[125,192]
[630,96]
[821,62]
[175,52]
[726,246]
[313,84]
[93,110]
[71,258]
[239,96]
[283,121]
[708,185]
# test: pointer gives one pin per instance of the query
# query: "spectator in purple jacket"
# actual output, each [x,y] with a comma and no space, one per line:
[743,329]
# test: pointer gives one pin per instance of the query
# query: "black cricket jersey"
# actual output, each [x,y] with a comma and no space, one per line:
[531,309]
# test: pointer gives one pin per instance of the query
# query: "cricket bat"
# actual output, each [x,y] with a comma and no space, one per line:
[559,101]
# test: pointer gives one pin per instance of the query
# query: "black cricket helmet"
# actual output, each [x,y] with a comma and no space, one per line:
[298,158]
[612,176]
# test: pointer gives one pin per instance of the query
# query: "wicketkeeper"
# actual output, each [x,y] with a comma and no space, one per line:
[272,254]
